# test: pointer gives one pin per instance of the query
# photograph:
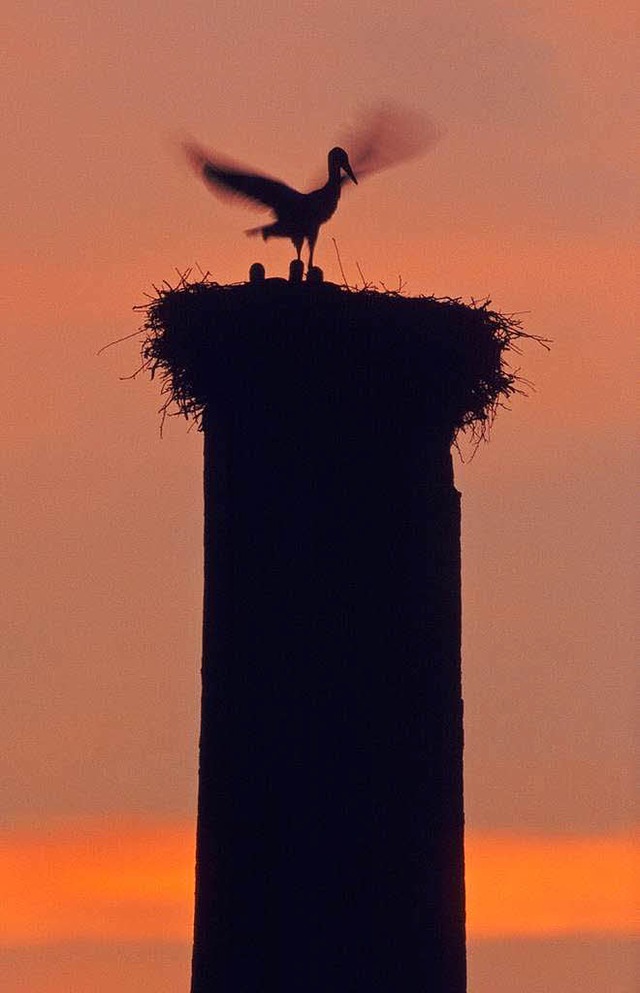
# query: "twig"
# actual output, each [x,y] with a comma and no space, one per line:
[365,284]
[126,337]
[342,273]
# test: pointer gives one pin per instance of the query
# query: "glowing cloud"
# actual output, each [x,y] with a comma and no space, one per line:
[532,886]
[134,882]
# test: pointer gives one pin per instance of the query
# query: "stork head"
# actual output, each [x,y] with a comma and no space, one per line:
[338,159]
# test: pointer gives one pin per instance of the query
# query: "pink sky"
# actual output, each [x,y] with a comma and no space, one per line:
[528,198]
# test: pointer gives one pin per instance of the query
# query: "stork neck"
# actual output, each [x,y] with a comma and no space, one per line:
[334,174]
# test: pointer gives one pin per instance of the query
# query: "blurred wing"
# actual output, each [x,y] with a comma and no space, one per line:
[387,134]
[232,182]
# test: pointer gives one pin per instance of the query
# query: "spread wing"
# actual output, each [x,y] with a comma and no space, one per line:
[231,181]
[385,135]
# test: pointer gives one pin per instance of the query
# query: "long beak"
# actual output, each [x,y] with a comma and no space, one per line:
[349,171]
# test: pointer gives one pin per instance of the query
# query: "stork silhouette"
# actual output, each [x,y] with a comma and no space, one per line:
[298,215]
[385,135]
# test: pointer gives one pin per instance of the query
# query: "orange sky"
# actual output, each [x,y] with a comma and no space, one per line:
[530,197]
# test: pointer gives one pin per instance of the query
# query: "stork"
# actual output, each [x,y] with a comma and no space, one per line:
[385,135]
[298,215]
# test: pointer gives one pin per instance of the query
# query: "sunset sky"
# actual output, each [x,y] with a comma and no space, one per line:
[530,197]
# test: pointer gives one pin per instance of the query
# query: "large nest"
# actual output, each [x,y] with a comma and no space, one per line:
[202,339]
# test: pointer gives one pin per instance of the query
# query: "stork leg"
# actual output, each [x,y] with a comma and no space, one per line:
[312,237]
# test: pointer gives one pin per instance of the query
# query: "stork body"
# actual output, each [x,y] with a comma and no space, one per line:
[298,216]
